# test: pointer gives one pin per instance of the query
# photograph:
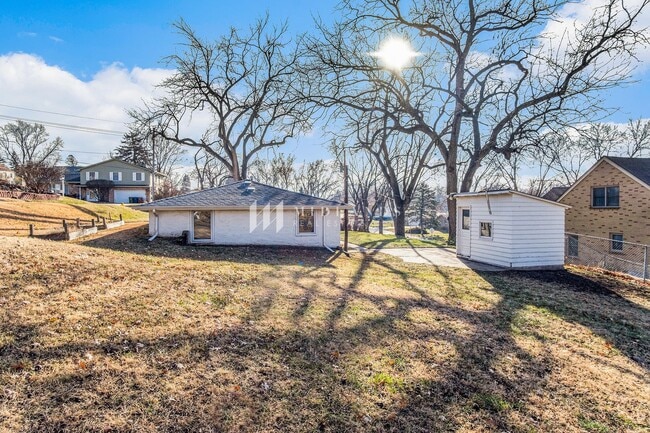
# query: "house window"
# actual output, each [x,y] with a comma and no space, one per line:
[138,177]
[572,246]
[92,175]
[486,229]
[115,176]
[306,221]
[202,225]
[617,242]
[606,196]
[466,219]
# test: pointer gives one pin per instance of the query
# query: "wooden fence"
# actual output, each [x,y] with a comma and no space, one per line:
[76,228]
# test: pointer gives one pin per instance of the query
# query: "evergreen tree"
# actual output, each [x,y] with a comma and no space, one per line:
[422,210]
[135,149]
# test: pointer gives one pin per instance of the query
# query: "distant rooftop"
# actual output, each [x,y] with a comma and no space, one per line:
[555,193]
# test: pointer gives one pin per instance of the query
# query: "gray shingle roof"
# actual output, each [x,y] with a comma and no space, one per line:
[241,194]
[637,167]
[555,193]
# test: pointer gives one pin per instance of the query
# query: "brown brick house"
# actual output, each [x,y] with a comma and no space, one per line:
[612,201]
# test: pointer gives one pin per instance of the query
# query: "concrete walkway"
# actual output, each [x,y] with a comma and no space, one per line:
[433,256]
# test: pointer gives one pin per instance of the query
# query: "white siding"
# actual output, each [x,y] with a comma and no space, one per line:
[525,232]
[233,227]
[170,223]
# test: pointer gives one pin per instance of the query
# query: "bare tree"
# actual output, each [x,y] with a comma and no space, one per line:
[637,138]
[280,171]
[488,81]
[208,171]
[244,83]
[601,139]
[318,178]
[26,148]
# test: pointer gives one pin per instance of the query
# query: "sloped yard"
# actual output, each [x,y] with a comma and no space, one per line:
[17,215]
[118,334]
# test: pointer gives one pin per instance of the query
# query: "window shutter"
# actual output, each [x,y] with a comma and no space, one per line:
[87,175]
[110,175]
[119,176]
[134,176]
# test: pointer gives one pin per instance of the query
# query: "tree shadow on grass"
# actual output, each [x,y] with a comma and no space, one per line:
[252,376]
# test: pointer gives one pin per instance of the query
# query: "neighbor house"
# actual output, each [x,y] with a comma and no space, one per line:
[510,229]
[7,175]
[69,182]
[248,213]
[612,201]
[122,182]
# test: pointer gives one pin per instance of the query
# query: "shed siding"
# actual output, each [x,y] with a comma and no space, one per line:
[525,233]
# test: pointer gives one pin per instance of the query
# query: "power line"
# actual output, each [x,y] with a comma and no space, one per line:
[60,114]
[67,126]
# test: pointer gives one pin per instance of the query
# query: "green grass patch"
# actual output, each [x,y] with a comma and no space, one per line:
[129,214]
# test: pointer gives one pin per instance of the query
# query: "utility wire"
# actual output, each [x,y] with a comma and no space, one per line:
[67,126]
[60,114]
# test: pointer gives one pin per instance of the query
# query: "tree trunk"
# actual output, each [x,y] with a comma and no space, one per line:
[452,187]
[399,219]
[381,217]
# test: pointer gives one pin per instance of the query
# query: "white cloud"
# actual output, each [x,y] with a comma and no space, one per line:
[55,39]
[27,34]
[27,81]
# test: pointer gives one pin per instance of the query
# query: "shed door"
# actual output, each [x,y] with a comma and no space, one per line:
[464,243]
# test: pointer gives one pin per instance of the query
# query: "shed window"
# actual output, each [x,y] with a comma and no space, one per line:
[606,196]
[466,220]
[486,229]
[617,242]
[306,221]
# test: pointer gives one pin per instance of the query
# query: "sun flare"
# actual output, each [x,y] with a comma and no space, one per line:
[395,53]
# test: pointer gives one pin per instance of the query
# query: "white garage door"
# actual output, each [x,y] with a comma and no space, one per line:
[123,196]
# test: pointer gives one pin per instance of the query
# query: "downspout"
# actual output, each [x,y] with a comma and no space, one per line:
[155,235]
[323,230]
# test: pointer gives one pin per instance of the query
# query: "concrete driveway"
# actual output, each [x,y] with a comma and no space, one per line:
[435,257]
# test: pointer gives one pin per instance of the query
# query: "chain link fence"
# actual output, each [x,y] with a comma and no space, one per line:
[611,254]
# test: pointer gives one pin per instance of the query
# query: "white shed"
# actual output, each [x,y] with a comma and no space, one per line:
[510,229]
[248,213]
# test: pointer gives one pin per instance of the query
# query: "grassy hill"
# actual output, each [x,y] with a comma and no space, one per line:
[115,333]
[16,215]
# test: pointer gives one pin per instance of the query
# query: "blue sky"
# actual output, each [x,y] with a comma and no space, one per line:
[97,59]
[83,36]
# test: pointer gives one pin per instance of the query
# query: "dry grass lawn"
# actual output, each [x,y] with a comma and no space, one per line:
[17,215]
[117,334]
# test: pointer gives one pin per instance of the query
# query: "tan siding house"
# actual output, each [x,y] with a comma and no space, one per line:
[612,201]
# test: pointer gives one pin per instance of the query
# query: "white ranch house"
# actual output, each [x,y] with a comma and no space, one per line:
[248,213]
[510,229]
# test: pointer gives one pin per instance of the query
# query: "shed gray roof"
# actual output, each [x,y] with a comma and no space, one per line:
[240,195]
[637,167]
